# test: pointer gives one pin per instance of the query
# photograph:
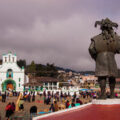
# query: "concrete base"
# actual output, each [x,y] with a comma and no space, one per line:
[106,101]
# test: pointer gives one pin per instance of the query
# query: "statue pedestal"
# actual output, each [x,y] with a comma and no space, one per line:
[106,101]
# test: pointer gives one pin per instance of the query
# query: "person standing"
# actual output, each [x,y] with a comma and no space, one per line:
[52,108]
[12,107]
[29,97]
[67,104]
[56,106]
[33,97]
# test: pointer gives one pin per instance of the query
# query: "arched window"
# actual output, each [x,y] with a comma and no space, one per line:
[9,73]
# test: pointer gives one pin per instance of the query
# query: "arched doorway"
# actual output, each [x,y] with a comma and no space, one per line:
[8,84]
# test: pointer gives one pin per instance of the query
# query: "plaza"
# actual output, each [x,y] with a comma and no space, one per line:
[59,59]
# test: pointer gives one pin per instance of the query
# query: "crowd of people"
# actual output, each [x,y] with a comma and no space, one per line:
[5,95]
[56,101]
[65,99]
[29,96]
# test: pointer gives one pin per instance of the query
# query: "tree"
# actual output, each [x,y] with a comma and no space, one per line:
[31,68]
[51,70]
[21,63]
[48,70]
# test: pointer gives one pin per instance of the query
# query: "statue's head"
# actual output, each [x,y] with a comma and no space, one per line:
[106,24]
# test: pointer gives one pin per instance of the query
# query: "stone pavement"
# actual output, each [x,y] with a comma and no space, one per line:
[3,105]
[28,105]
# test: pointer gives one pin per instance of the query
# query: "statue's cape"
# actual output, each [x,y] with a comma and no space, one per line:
[105,55]
[102,45]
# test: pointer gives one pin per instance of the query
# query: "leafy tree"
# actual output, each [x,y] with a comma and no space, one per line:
[21,63]
[40,67]
[48,70]
[31,68]
[50,67]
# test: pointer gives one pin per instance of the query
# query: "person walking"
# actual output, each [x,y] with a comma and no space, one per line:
[8,111]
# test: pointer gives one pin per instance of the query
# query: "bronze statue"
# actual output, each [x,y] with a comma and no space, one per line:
[102,49]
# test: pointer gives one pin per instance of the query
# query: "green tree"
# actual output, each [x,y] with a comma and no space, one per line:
[21,63]
[51,70]
[48,70]
[31,68]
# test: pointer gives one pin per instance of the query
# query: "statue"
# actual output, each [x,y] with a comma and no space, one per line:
[102,49]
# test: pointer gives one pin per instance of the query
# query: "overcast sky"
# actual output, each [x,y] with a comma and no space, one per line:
[54,31]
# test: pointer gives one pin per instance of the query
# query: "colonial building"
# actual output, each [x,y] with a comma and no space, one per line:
[12,77]
[40,83]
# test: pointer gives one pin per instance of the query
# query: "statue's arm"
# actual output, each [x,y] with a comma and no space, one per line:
[92,50]
[97,23]
[115,25]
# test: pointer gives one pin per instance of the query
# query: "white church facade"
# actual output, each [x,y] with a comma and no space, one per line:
[12,77]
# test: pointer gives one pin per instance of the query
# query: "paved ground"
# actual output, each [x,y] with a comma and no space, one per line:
[3,105]
[27,105]
[91,112]
[41,106]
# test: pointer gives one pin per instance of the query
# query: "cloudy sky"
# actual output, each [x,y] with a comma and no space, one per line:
[54,31]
